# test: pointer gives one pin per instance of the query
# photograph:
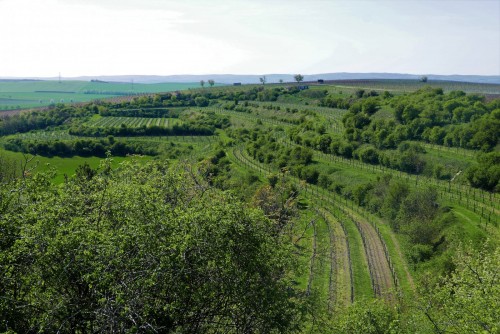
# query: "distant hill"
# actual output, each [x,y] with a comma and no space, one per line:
[274,78]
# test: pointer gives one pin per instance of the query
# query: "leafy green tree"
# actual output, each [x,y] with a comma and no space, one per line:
[368,154]
[8,169]
[396,194]
[263,80]
[373,317]
[298,77]
[468,300]
[202,83]
[278,200]
[141,249]
[370,105]
[324,143]
[201,101]
[416,216]
[359,93]
[486,173]
[211,82]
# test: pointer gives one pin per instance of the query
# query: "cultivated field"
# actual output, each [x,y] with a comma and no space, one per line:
[134,122]
[31,94]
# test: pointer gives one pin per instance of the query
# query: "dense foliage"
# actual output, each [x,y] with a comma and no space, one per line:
[467,300]
[80,147]
[453,119]
[8,168]
[141,249]
[35,120]
[486,173]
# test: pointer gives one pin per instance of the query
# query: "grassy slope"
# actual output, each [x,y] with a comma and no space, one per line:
[63,166]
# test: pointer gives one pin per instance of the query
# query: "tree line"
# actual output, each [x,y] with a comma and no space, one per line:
[79,147]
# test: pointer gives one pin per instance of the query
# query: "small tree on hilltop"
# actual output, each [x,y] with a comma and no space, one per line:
[202,83]
[211,82]
[298,77]
[423,78]
[263,79]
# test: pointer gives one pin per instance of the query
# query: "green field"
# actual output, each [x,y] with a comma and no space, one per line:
[62,166]
[30,94]
[413,85]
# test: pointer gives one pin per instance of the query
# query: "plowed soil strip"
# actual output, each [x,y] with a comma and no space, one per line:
[380,271]
[379,267]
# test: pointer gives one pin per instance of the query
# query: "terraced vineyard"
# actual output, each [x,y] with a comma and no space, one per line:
[478,201]
[388,279]
[372,263]
[341,280]
[486,204]
[364,230]
[475,200]
[133,122]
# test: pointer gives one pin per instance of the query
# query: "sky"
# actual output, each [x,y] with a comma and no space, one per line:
[42,38]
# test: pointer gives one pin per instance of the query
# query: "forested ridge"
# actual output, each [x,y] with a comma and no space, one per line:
[262,209]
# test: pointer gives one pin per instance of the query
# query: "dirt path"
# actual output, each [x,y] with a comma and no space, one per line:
[399,253]
[377,262]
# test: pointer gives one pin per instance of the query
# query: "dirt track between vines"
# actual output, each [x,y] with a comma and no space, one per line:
[379,267]
[340,290]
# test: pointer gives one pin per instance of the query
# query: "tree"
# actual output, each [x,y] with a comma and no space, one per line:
[263,80]
[324,143]
[201,101]
[299,78]
[486,173]
[202,83]
[467,300]
[369,317]
[281,80]
[416,217]
[211,82]
[8,168]
[423,78]
[142,249]
[370,105]
[278,201]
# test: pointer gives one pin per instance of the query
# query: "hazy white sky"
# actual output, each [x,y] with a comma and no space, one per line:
[162,37]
